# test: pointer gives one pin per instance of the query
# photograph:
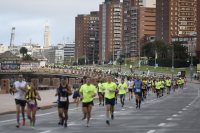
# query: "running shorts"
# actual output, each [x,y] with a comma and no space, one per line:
[75,96]
[63,105]
[87,104]
[122,95]
[161,88]
[139,94]
[130,90]
[31,106]
[157,90]
[21,102]
[99,93]
[110,101]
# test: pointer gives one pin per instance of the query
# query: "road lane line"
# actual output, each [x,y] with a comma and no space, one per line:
[46,131]
[184,109]
[175,115]
[161,124]
[180,112]
[169,119]
[151,131]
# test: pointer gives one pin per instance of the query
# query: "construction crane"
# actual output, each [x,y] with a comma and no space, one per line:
[12,37]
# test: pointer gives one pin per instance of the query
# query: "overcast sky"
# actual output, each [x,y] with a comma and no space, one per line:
[29,18]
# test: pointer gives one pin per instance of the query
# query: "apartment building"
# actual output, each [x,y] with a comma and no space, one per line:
[110,29]
[3,48]
[139,25]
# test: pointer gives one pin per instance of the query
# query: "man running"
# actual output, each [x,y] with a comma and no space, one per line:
[101,95]
[89,91]
[76,95]
[157,84]
[116,93]
[138,91]
[110,90]
[122,91]
[130,88]
[20,89]
[144,90]
[162,85]
[168,83]
[64,93]
[149,86]
[31,99]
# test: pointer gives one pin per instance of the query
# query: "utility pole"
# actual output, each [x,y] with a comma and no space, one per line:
[172,61]
[191,65]
[77,56]
[155,62]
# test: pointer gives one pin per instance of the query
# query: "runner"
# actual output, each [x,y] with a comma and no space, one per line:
[174,84]
[64,93]
[116,93]
[168,83]
[57,94]
[31,100]
[149,86]
[100,92]
[138,91]
[185,80]
[144,89]
[83,81]
[158,84]
[130,88]
[20,89]
[122,91]
[76,95]
[110,90]
[162,85]
[182,82]
[89,91]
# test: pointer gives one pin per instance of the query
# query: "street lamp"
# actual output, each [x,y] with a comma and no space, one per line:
[172,61]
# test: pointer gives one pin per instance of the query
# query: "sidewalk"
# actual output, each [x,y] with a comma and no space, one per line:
[7,102]
[193,81]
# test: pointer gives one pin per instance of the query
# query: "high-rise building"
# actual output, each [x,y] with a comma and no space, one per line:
[47,35]
[69,49]
[110,29]
[176,20]
[3,48]
[139,25]
[198,30]
[81,35]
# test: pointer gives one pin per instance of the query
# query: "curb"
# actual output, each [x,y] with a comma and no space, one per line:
[42,108]
[192,82]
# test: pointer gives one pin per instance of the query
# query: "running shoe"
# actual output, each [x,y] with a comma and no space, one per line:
[99,104]
[142,99]
[112,117]
[103,104]
[17,125]
[62,123]
[123,103]
[83,118]
[162,94]
[108,122]
[65,125]
[30,122]
[59,123]
[87,125]
[139,107]
[76,108]
[136,106]
[24,122]
[131,97]
[33,127]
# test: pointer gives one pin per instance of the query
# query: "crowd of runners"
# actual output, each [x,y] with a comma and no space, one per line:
[84,91]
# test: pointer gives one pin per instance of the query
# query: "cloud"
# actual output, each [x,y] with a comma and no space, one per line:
[29,16]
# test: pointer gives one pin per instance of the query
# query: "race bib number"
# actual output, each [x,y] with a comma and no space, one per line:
[137,90]
[32,101]
[63,99]
[122,88]
[137,85]
[100,88]
[108,90]
[130,84]
[157,85]
[21,96]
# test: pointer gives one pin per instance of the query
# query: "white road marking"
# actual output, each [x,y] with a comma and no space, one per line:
[161,124]
[46,131]
[151,131]
[187,106]
[180,112]
[102,115]
[130,107]
[169,119]
[184,109]
[174,115]
[142,103]
[155,99]
[122,109]
[151,100]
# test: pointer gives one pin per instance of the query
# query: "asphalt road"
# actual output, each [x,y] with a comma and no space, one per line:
[174,113]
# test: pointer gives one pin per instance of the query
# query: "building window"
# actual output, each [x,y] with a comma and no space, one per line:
[161,33]
[171,23]
[171,28]
[171,13]
[162,18]
[175,23]
[162,8]
[171,8]
[171,18]
[175,28]
[175,18]
[175,13]
[161,28]
[175,8]
[162,23]
[171,3]
[162,3]
[162,37]
[162,13]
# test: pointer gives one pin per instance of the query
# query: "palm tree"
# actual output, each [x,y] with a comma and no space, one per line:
[23,51]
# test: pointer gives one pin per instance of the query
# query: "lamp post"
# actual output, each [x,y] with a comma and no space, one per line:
[191,65]
[155,62]
[172,61]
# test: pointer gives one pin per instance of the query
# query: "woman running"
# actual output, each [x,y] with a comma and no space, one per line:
[32,95]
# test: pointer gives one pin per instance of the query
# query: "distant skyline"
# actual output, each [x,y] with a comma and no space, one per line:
[29,18]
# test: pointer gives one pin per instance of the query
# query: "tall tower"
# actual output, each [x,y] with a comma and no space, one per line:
[12,37]
[47,35]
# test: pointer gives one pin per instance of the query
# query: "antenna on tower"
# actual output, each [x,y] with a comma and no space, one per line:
[68,39]
[12,36]
[30,41]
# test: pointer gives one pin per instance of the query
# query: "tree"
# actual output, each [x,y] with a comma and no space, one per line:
[163,50]
[28,57]
[148,49]
[23,51]
[179,50]
[81,60]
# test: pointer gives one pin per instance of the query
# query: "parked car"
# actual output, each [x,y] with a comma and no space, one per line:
[110,63]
